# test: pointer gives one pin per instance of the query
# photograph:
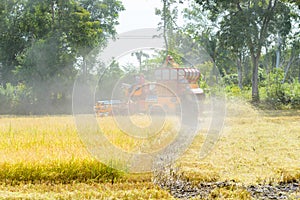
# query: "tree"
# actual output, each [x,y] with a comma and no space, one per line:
[169,14]
[41,41]
[139,55]
[12,41]
[203,33]
[251,24]
[294,58]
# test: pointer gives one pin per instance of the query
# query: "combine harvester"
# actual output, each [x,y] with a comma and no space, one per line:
[163,94]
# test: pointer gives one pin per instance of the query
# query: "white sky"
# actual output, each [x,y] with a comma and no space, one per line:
[139,14]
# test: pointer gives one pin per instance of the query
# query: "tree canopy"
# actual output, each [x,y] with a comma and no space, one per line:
[246,25]
[45,43]
[40,41]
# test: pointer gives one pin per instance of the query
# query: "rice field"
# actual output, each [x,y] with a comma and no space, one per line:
[42,157]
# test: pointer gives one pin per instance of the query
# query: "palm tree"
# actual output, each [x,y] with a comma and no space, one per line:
[139,55]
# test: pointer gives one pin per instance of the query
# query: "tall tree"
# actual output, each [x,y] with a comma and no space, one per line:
[204,34]
[41,41]
[12,41]
[169,14]
[139,55]
[251,23]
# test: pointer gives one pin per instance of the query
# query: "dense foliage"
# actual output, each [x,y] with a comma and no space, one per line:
[249,42]
[254,45]
[40,44]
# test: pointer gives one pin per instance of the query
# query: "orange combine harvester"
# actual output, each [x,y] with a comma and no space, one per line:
[164,93]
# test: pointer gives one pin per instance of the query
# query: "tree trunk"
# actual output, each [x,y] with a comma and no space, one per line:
[288,67]
[165,26]
[278,51]
[240,75]
[299,72]
[255,93]
[53,13]
[140,62]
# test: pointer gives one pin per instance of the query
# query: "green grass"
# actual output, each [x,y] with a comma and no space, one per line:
[44,158]
[77,170]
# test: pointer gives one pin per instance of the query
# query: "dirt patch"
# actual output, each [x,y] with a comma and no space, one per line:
[181,188]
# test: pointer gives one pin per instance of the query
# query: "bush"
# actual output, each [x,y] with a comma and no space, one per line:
[15,99]
[280,94]
[233,90]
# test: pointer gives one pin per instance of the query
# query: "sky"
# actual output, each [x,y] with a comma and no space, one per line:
[139,14]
